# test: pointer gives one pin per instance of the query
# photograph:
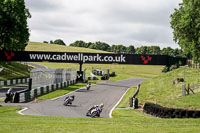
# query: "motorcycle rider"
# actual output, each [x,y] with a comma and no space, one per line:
[101,106]
[88,85]
[96,106]
[71,98]
[9,94]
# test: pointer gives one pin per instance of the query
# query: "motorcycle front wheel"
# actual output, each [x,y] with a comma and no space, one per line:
[94,114]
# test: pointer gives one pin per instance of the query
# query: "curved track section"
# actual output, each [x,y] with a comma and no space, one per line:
[108,93]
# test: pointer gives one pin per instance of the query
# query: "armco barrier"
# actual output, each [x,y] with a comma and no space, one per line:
[163,112]
[27,96]
[14,81]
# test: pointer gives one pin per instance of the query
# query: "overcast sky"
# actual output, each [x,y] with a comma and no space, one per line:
[126,22]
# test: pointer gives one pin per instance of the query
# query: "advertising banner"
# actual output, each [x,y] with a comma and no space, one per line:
[95,58]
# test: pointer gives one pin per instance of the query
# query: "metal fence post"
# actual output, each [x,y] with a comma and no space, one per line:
[183,90]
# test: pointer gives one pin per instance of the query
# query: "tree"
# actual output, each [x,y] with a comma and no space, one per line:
[59,41]
[142,50]
[102,46]
[167,51]
[14,31]
[45,42]
[78,43]
[130,49]
[51,42]
[185,23]
[154,50]
[89,44]
[118,49]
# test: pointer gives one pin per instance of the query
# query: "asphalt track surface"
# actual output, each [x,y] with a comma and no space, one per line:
[108,93]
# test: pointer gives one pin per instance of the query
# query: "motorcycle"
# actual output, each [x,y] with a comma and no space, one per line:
[88,86]
[95,112]
[9,97]
[68,100]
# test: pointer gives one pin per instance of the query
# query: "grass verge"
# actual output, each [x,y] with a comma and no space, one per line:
[122,71]
[13,70]
[161,90]
[123,121]
[65,90]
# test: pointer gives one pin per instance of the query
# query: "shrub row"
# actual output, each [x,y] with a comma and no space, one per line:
[163,112]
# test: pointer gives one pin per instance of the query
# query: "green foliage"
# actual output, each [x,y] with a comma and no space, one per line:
[142,50]
[51,42]
[102,46]
[118,49]
[167,51]
[130,49]
[166,69]
[97,45]
[172,67]
[78,44]
[185,22]
[45,42]
[14,31]
[151,50]
[155,50]
[169,68]
[59,41]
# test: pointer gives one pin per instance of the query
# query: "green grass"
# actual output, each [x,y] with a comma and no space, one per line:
[65,90]
[12,70]
[122,71]
[36,46]
[126,120]
[161,90]
[123,121]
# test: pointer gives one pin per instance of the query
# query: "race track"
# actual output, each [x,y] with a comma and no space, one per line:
[108,93]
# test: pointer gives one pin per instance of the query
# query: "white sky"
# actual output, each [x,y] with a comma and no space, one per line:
[126,22]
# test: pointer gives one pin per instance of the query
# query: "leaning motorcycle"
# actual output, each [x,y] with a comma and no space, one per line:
[88,86]
[9,97]
[68,101]
[94,113]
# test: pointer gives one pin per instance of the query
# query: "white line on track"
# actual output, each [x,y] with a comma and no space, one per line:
[69,93]
[110,114]
[20,111]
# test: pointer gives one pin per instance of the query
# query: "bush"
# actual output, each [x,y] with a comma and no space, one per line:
[165,69]
[169,68]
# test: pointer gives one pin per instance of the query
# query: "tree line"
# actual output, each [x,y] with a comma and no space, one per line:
[149,50]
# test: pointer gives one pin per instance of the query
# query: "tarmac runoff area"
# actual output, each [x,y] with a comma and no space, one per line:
[109,93]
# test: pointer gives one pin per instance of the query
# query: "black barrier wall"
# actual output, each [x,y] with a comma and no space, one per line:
[163,112]
[97,58]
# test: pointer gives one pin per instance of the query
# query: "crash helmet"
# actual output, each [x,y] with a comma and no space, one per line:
[101,105]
